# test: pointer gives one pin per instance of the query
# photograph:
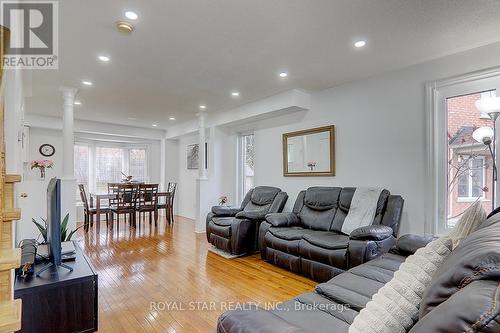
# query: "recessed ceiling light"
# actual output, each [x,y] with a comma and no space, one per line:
[154,125]
[104,58]
[78,103]
[235,94]
[203,107]
[131,118]
[87,83]
[283,74]
[171,118]
[131,15]
[360,43]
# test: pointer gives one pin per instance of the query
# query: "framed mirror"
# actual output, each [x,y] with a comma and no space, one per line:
[309,153]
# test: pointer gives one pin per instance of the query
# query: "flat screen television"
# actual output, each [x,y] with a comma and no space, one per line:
[54,220]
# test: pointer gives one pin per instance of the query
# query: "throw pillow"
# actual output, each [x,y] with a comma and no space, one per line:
[468,222]
[394,308]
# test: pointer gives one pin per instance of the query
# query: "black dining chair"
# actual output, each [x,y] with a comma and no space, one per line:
[147,201]
[90,211]
[168,204]
[125,203]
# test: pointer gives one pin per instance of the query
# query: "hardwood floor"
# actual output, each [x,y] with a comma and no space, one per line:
[151,279]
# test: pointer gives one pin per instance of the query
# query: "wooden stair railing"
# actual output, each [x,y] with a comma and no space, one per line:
[10,258]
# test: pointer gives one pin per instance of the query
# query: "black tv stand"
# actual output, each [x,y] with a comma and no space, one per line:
[53,265]
[59,293]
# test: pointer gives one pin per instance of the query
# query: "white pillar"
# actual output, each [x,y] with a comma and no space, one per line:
[68,131]
[68,181]
[202,139]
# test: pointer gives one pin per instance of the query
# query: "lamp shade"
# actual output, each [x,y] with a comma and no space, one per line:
[488,105]
[483,135]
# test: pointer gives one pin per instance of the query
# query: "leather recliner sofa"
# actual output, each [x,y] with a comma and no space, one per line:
[235,229]
[309,239]
[463,295]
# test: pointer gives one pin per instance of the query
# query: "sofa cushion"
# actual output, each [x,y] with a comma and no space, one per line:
[290,233]
[356,286]
[264,195]
[223,221]
[322,198]
[312,312]
[394,308]
[327,240]
[477,257]
[474,308]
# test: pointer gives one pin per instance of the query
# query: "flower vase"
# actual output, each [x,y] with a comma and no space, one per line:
[42,173]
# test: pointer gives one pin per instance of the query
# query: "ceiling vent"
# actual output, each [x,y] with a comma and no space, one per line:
[124,27]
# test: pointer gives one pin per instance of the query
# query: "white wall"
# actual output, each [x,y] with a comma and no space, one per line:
[186,189]
[380,139]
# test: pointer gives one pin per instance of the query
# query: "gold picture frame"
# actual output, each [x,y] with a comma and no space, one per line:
[329,173]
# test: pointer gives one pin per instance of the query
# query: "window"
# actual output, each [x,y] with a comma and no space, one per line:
[470,182]
[469,170]
[98,165]
[247,158]
[82,160]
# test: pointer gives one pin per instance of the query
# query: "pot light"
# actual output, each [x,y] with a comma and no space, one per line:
[235,94]
[360,43]
[283,74]
[87,83]
[154,125]
[131,15]
[78,103]
[171,118]
[104,58]
[203,107]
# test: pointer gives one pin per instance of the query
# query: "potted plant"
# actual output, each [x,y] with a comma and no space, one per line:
[42,165]
[65,237]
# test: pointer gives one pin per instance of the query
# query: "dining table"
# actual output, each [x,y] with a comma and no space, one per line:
[100,196]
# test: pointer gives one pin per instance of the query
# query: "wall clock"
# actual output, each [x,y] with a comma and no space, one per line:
[47,150]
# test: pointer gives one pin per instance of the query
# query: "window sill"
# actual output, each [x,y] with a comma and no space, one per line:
[472,199]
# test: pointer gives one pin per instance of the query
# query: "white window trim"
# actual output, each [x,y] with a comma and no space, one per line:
[241,166]
[470,198]
[125,163]
[436,170]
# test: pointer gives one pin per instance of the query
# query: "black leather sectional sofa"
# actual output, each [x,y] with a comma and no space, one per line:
[463,296]
[309,239]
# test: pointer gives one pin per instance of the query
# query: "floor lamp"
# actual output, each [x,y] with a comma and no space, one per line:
[487,135]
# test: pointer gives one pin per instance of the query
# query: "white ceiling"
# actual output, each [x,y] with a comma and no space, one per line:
[190,52]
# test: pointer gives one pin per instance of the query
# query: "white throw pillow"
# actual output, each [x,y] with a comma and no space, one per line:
[394,308]
[468,222]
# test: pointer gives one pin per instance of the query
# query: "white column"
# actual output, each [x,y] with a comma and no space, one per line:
[202,139]
[68,131]
[68,181]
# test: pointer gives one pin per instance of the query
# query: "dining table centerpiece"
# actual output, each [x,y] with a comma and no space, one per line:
[42,165]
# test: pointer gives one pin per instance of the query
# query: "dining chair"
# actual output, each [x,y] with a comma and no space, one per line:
[125,203]
[147,201]
[168,205]
[90,211]
[113,189]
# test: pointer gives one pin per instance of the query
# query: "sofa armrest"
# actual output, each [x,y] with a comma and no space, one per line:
[283,219]
[371,232]
[361,251]
[408,244]
[225,211]
[258,320]
[252,215]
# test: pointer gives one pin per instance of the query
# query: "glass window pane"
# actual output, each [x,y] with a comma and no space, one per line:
[81,161]
[137,164]
[108,167]
[248,162]
[477,173]
[469,167]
